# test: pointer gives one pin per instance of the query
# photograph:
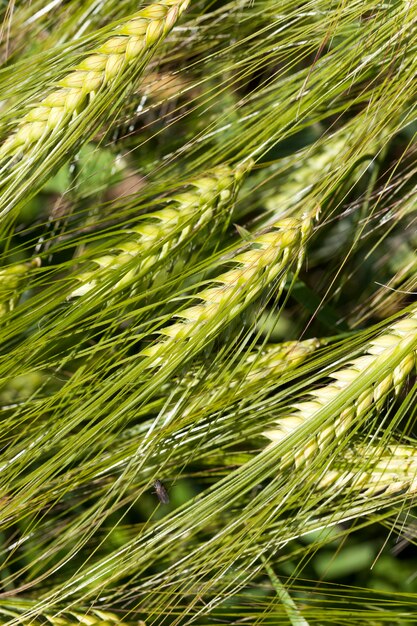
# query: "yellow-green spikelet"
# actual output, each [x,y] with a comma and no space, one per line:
[131,41]
[258,371]
[269,257]
[275,359]
[379,352]
[388,471]
[205,201]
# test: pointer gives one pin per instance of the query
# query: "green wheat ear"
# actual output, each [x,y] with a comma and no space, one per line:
[131,42]
[269,257]
[11,280]
[205,201]
[380,353]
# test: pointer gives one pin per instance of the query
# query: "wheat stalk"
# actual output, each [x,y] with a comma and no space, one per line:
[391,471]
[379,355]
[130,42]
[205,201]
[269,256]
[11,280]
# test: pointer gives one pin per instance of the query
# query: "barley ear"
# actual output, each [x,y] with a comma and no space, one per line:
[270,363]
[393,471]
[204,201]
[379,354]
[257,372]
[130,43]
[268,258]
